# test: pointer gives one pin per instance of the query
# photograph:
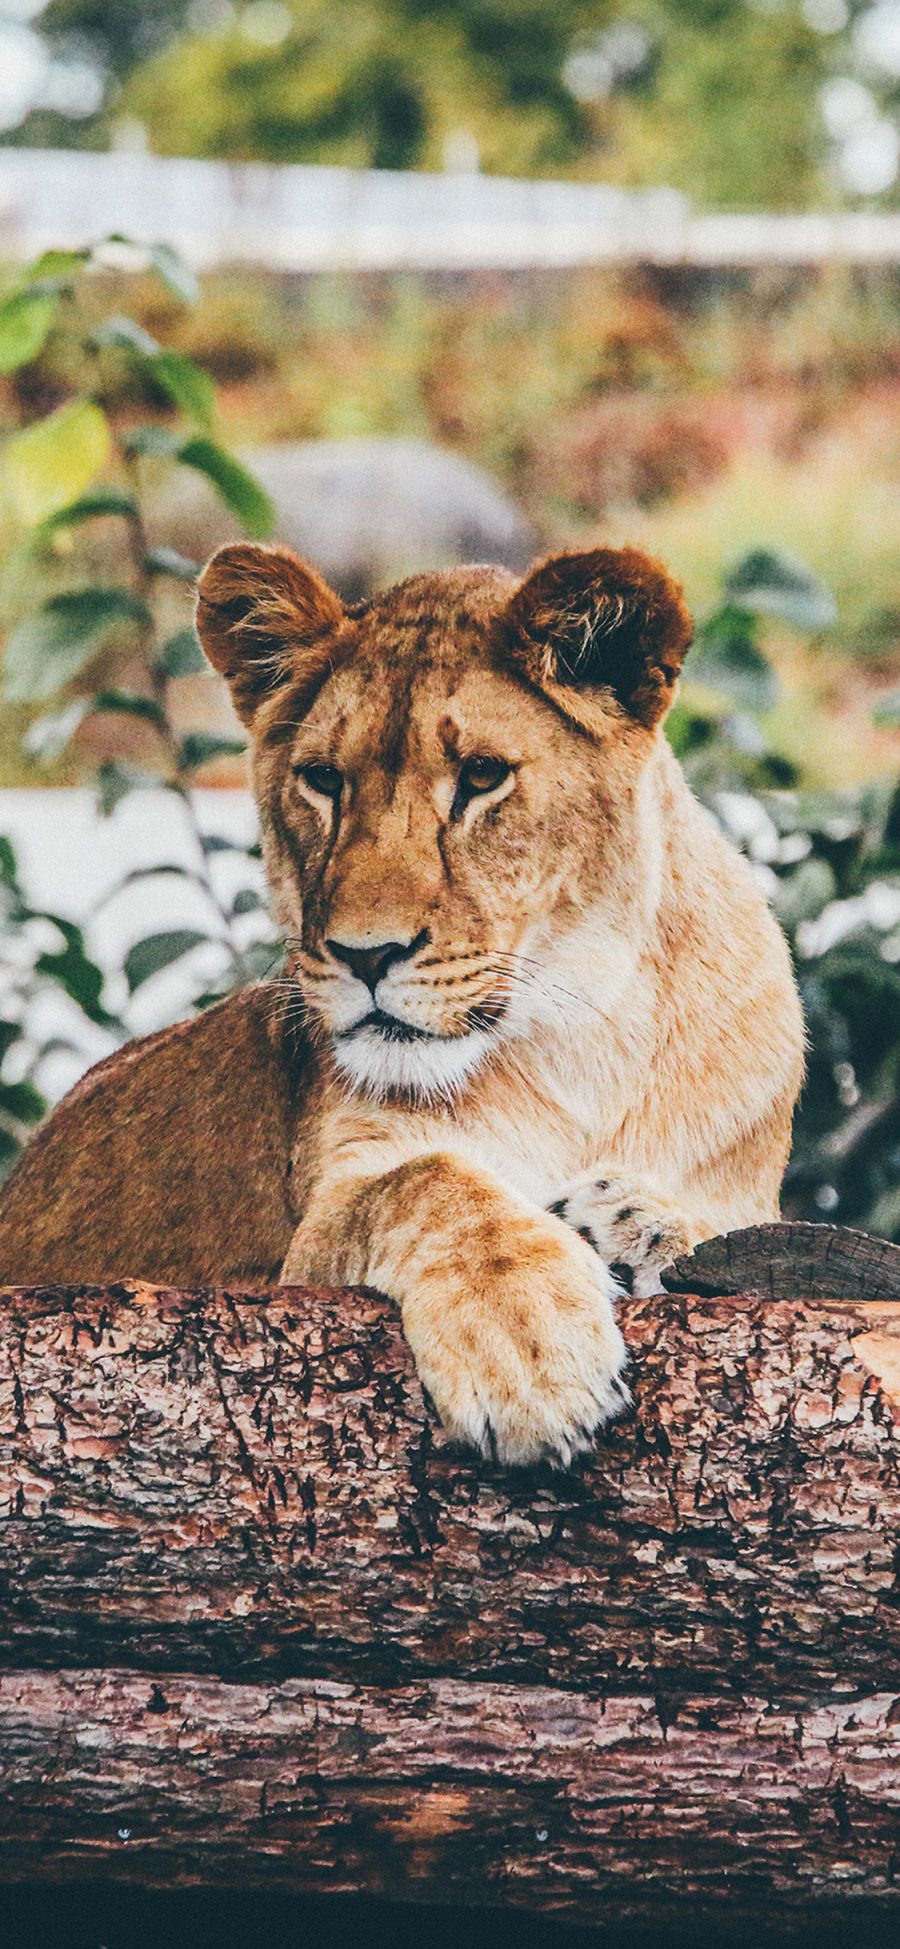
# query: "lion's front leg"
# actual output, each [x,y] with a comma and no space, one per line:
[633,1225]
[509,1314]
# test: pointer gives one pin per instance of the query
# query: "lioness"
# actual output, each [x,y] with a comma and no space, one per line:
[538,1022]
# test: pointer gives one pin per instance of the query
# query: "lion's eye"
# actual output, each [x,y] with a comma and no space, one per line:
[324,779]
[481,775]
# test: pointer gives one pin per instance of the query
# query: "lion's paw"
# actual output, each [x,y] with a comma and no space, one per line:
[634,1228]
[524,1360]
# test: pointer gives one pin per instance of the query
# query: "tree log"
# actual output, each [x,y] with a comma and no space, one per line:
[793,1261]
[262,1625]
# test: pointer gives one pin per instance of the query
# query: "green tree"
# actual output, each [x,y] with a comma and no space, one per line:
[112,37]
[727,111]
[719,98]
[117,33]
[383,83]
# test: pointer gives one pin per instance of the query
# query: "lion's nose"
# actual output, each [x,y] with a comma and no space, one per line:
[369,964]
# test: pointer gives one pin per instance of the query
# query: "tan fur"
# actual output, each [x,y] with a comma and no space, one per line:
[170,1160]
[605,1043]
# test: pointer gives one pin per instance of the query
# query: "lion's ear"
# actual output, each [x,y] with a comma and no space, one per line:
[607,619]
[263,616]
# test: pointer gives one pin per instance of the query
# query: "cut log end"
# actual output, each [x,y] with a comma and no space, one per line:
[792,1261]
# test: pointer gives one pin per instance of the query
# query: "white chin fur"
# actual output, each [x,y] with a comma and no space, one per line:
[421,1069]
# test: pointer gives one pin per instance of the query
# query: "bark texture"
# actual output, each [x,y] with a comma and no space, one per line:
[261,1624]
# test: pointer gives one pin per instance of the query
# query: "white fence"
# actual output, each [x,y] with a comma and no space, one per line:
[295,218]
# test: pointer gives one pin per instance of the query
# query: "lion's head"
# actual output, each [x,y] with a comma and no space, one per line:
[453,786]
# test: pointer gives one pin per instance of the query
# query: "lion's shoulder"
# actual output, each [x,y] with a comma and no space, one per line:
[246,1022]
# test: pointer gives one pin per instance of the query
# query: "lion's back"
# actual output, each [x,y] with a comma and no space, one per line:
[168,1161]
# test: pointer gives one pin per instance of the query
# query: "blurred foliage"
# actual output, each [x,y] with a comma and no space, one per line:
[380,83]
[830,865]
[119,34]
[41,950]
[90,652]
[717,98]
[699,414]
[837,868]
[702,414]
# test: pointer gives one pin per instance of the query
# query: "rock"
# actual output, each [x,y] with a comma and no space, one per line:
[366,511]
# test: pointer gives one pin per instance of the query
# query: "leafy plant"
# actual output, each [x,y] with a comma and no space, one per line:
[731,684]
[43,952]
[94,650]
[830,863]
[836,861]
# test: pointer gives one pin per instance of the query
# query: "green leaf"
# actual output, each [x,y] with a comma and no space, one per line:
[261,958]
[186,383]
[234,484]
[212,996]
[58,265]
[768,580]
[124,335]
[129,703]
[22,1101]
[95,506]
[199,747]
[49,735]
[74,971]
[149,873]
[25,320]
[191,388]
[691,727]
[168,561]
[176,275]
[52,462]
[115,780]
[155,440]
[182,656]
[10,1150]
[246,902]
[727,657]
[10,1033]
[158,951]
[213,842]
[57,1045]
[9,868]
[50,648]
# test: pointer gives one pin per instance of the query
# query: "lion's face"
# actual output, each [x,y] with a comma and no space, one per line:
[449,793]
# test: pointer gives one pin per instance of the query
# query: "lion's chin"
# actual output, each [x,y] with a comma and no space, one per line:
[429,1068]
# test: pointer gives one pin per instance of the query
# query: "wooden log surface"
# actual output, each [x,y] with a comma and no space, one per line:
[791,1261]
[261,1624]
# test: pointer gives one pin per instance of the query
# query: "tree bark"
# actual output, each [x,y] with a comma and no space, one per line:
[261,1624]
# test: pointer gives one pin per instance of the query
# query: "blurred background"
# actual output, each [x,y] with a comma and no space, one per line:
[407,283]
